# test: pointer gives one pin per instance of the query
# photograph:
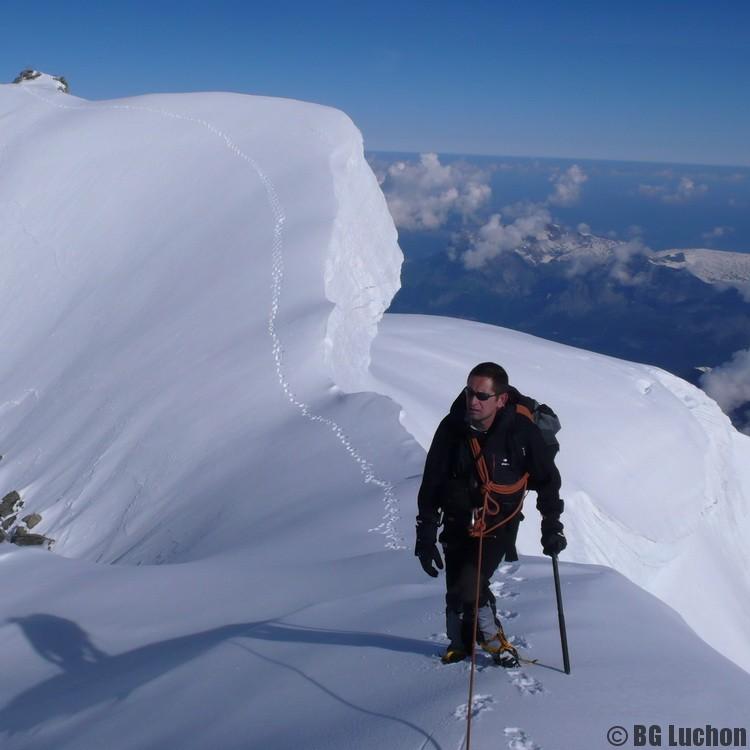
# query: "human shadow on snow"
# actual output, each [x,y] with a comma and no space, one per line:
[91,677]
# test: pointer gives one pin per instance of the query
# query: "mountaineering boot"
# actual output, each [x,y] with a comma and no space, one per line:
[502,652]
[493,639]
[456,650]
[453,655]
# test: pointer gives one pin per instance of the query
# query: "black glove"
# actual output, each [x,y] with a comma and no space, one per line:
[553,539]
[427,552]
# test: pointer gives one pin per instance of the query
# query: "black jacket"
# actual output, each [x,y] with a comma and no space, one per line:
[450,485]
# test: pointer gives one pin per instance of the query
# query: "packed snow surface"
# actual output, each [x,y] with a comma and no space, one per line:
[164,308]
[656,480]
[189,286]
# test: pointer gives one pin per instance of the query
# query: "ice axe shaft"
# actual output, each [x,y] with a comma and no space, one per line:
[561,616]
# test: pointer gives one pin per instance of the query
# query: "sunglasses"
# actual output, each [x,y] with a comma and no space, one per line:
[480,395]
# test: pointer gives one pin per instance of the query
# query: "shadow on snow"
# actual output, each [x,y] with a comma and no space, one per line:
[90,676]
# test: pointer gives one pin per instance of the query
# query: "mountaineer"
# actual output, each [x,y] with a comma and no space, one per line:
[493,446]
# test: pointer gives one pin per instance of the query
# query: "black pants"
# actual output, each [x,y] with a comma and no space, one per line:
[461,551]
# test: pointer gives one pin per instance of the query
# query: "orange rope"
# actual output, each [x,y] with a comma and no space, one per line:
[474,635]
[488,487]
[479,529]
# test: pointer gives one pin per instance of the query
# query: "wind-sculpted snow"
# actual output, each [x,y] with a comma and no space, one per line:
[147,244]
[184,280]
[656,481]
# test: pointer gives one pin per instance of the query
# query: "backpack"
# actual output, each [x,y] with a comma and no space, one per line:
[544,418]
[540,414]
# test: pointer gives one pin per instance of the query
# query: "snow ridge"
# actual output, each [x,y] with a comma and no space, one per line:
[663,500]
[391,514]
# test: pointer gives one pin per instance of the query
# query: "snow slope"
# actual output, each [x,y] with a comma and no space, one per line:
[725,269]
[336,654]
[144,245]
[187,284]
[656,480]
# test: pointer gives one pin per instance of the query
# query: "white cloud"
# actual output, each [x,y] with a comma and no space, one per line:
[426,194]
[583,228]
[652,191]
[567,186]
[716,233]
[729,384]
[686,189]
[495,237]
[530,220]
[623,255]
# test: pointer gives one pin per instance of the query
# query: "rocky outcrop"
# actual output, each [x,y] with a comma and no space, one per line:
[33,75]
[10,504]
[31,520]
[22,538]
[18,532]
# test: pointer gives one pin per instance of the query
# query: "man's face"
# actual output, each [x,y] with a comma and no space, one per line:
[482,413]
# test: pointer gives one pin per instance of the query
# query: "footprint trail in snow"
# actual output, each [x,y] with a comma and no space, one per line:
[519,740]
[391,514]
[479,703]
[524,683]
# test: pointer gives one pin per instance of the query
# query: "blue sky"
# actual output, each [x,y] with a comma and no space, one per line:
[633,81]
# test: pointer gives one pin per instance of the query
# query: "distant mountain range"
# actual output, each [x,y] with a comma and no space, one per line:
[718,267]
[683,310]
[724,269]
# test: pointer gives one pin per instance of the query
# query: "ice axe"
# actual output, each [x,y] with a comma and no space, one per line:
[561,616]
